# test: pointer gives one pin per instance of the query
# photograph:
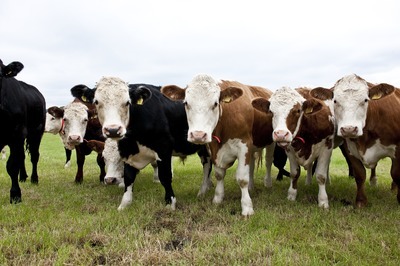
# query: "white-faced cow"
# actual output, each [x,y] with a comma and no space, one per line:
[220,114]
[55,125]
[22,116]
[80,125]
[305,127]
[148,126]
[368,118]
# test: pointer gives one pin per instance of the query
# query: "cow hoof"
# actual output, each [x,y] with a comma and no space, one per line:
[15,199]
[361,204]
[292,194]
[373,181]
[172,205]
[67,165]
[324,205]
[217,200]
[248,212]
[268,183]
[120,208]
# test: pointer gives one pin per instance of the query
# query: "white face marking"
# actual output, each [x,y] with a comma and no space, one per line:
[350,104]
[113,161]
[112,103]
[202,108]
[75,123]
[282,102]
[53,124]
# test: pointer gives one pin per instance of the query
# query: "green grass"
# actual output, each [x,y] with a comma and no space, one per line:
[62,223]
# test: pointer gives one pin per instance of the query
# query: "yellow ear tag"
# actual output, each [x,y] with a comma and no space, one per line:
[377,96]
[227,99]
[139,101]
[84,98]
[309,110]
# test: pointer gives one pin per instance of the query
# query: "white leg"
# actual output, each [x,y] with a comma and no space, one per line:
[219,188]
[309,174]
[242,177]
[269,158]
[321,176]
[294,175]
[207,183]
[155,172]
[126,199]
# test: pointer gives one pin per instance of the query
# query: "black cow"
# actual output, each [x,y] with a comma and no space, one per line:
[22,116]
[148,125]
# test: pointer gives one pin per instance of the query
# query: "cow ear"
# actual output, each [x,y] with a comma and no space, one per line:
[322,93]
[311,106]
[92,114]
[12,69]
[139,95]
[56,111]
[83,93]
[173,92]
[379,91]
[230,94]
[261,104]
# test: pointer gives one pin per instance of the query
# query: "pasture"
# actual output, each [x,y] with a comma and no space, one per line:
[62,223]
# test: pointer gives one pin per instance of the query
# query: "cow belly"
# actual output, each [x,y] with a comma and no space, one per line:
[373,154]
[143,158]
[316,150]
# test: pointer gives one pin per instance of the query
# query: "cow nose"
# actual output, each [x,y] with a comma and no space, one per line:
[74,138]
[349,131]
[281,135]
[112,131]
[198,136]
[110,180]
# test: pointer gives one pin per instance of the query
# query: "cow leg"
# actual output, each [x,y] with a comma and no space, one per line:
[321,174]
[252,169]
[102,165]
[242,177]
[373,180]
[33,145]
[346,154]
[279,161]
[395,173]
[80,161]
[68,153]
[309,174]
[294,174]
[14,164]
[165,175]
[269,158]
[207,167]
[219,188]
[359,175]
[130,174]
[155,172]
[22,171]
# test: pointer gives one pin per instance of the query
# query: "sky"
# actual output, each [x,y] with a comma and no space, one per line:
[265,43]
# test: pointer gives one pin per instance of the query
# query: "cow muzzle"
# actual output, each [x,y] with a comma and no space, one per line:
[113,131]
[74,140]
[198,137]
[349,131]
[112,180]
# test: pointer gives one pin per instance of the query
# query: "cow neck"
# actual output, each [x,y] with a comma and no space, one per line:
[296,131]
[220,114]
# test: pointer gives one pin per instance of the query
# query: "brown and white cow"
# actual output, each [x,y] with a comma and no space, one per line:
[220,114]
[305,127]
[368,118]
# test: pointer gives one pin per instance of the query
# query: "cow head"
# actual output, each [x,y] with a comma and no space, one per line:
[351,96]
[11,70]
[202,98]
[112,159]
[76,117]
[54,120]
[285,105]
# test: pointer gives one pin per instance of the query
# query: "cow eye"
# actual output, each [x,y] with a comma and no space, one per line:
[186,105]
[334,101]
[215,105]
[366,100]
[127,103]
[96,102]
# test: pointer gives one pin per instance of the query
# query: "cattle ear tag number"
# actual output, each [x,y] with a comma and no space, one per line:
[227,99]
[140,101]
[309,110]
[376,96]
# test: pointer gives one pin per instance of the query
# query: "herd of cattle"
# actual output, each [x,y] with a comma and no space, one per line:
[133,125]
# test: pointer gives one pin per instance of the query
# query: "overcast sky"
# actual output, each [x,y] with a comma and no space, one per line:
[265,43]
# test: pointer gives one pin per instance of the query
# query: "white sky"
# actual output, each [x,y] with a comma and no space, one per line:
[266,43]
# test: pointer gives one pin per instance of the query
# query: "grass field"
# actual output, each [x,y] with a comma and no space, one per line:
[62,223]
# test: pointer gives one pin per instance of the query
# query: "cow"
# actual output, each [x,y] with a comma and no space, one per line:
[148,127]
[368,118]
[220,116]
[305,128]
[114,162]
[55,125]
[80,125]
[23,115]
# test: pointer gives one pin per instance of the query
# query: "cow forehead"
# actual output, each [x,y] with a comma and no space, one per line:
[75,109]
[350,88]
[110,151]
[112,89]
[203,87]
[283,100]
